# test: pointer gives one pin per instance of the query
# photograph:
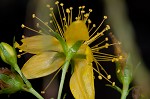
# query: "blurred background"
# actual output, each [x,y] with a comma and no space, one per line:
[13,13]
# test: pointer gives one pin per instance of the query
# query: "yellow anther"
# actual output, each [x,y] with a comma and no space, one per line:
[80,7]
[22,25]
[113,84]
[90,10]
[23,36]
[109,76]
[82,11]
[42,92]
[48,6]
[67,10]
[50,15]
[106,45]
[100,77]
[37,24]
[107,27]
[57,2]
[71,8]
[105,17]
[120,57]
[113,60]
[61,4]
[51,9]
[106,39]
[118,71]
[20,50]
[86,15]
[116,59]
[19,56]
[33,16]
[83,7]
[89,21]
[94,25]
[50,21]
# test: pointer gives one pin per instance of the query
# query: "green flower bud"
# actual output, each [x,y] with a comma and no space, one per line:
[8,53]
[10,82]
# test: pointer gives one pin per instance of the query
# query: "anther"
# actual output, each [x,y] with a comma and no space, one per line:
[106,39]
[20,51]
[22,25]
[120,57]
[113,60]
[42,92]
[90,10]
[82,11]
[107,27]
[19,56]
[71,8]
[109,76]
[67,10]
[23,36]
[105,17]
[113,84]
[106,45]
[94,25]
[48,5]
[33,15]
[51,9]
[83,7]
[80,7]
[100,77]
[118,71]
[61,4]
[57,2]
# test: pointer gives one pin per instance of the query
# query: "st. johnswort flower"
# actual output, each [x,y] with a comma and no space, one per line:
[67,41]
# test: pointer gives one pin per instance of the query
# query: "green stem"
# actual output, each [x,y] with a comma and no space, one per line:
[16,67]
[64,71]
[29,87]
[125,90]
[35,93]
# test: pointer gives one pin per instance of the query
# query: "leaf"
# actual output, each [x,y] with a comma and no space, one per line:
[39,43]
[82,80]
[42,65]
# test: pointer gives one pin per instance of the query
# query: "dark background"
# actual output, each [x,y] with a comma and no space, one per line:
[13,14]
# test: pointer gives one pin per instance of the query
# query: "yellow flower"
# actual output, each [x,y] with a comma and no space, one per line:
[53,47]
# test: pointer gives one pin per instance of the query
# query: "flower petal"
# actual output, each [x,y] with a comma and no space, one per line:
[42,65]
[82,80]
[76,31]
[39,43]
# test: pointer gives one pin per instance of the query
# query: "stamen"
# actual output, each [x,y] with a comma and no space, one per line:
[105,17]
[23,26]
[34,16]
[97,35]
[102,76]
[43,91]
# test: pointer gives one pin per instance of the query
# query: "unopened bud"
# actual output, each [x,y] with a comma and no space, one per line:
[8,53]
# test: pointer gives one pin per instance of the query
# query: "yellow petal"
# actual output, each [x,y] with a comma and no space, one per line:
[42,64]
[76,31]
[82,80]
[39,43]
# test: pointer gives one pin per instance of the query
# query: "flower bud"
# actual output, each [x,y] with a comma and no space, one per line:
[10,82]
[8,53]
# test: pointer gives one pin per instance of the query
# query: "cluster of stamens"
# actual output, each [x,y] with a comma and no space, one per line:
[66,18]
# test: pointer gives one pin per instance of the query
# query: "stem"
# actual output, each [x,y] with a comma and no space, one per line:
[64,71]
[35,93]
[28,84]
[125,90]
[16,67]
